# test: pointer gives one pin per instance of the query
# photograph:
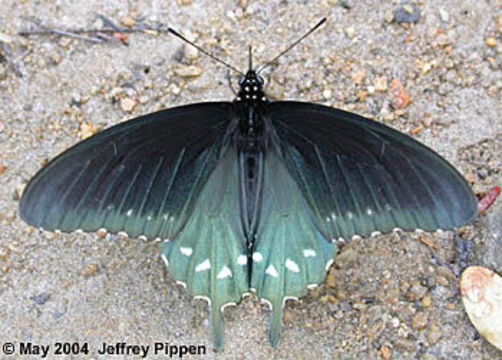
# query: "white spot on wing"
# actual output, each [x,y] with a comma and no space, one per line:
[267,302]
[292,266]
[222,308]
[242,260]
[187,251]
[224,273]
[312,286]
[271,271]
[369,211]
[328,264]
[182,284]
[142,238]
[203,266]
[350,215]
[375,233]
[257,257]
[164,258]
[202,297]
[309,253]
[129,212]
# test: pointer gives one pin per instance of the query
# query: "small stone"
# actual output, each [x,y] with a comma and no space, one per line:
[428,356]
[358,76]
[400,97]
[443,15]
[89,270]
[443,39]
[371,89]
[101,233]
[40,299]
[470,178]
[426,301]
[2,169]
[405,344]
[6,39]
[5,269]
[441,280]
[360,307]
[433,334]
[481,291]
[361,95]
[388,16]
[331,279]
[350,32]
[188,71]
[407,14]
[380,83]
[185,2]
[55,58]
[4,253]
[87,129]
[385,352]
[128,104]
[491,41]
[327,94]
[419,321]
[128,21]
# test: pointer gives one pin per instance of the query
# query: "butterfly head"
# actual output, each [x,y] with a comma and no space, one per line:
[251,88]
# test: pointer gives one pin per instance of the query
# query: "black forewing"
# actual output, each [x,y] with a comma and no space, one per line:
[140,176]
[360,176]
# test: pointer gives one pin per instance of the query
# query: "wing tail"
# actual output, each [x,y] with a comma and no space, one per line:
[290,254]
[209,255]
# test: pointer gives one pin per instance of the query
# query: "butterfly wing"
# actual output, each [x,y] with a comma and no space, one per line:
[170,174]
[331,174]
[140,176]
[290,253]
[360,176]
[209,256]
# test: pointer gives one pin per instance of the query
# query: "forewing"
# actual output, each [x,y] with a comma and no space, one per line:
[360,176]
[139,176]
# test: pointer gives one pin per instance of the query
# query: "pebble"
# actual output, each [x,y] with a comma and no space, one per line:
[380,83]
[428,356]
[400,97]
[87,129]
[385,352]
[188,71]
[6,39]
[407,14]
[327,94]
[388,16]
[426,301]
[405,344]
[4,252]
[441,280]
[350,32]
[443,39]
[128,21]
[5,269]
[89,270]
[2,168]
[434,334]
[40,299]
[481,291]
[419,321]
[491,41]
[331,279]
[128,104]
[443,15]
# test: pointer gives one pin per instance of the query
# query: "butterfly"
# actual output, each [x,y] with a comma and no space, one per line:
[248,196]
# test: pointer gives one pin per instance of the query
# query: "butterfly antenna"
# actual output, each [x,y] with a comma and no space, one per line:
[178,35]
[250,58]
[268,63]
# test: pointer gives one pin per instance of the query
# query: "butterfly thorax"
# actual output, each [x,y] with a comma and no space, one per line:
[250,102]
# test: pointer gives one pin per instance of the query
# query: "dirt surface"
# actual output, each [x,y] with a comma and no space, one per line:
[386,296]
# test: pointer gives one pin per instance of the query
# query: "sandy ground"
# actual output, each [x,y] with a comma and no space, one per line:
[386,296]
